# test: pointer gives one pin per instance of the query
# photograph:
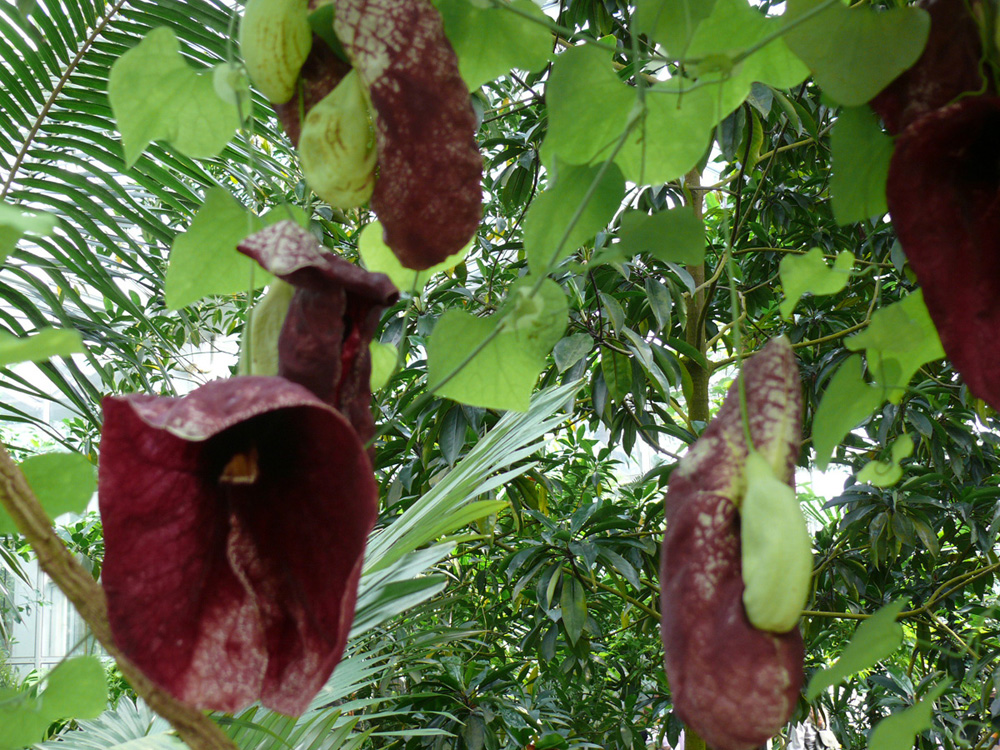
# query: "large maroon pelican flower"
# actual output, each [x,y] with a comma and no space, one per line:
[427,190]
[235,521]
[235,518]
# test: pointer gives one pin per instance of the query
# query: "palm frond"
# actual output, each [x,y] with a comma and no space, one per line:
[102,271]
[130,726]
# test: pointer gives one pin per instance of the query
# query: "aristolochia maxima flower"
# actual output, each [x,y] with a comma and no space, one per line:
[235,518]
[426,187]
[235,521]
[735,684]
[331,320]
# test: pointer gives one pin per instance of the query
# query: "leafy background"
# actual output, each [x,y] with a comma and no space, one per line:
[539,623]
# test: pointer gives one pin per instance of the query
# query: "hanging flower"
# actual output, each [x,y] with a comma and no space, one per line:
[735,684]
[331,320]
[427,171]
[235,518]
[235,521]
[943,188]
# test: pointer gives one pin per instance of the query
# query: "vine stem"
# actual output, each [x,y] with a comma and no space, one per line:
[197,730]
[426,397]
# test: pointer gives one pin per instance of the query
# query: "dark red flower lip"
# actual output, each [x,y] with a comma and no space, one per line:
[943,193]
[235,522]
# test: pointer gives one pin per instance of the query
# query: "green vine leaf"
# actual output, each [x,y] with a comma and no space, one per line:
[514,41]
[62,482]
[503,374]
[550,213]
[204,259]
[673,236]
[809,273]
[583,80]
[875,639]
[383,364]
[16,222]
[899,731]
[860,154]
[848,399]
[156,95]
[75,689]
[899,340]
[854,53]
[672,23]
[681,113]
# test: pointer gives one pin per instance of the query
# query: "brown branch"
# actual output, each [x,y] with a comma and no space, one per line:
[947,588]
[197,730]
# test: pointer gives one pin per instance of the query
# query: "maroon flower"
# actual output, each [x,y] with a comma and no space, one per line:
[943,188]
[235,518]
[427,190]
[944,196]
[732,683]
[331,320]
[427,194]
[235,521]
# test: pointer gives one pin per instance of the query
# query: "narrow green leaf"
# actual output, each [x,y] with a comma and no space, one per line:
[898,341]
[860,153]
[899,731]
[550,214]
[809,273]
[573,602]
[383,364]
[613,310]
[15,223]
[660,302]
[875,639]
[156,95]
[617,370]
[49,342]
[572,349]
[62,482]
[502,374]
[514,41]
[856,52]
[848,399]
[204,259]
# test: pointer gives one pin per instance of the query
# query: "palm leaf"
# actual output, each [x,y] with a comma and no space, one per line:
[102,272]
[130,726]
